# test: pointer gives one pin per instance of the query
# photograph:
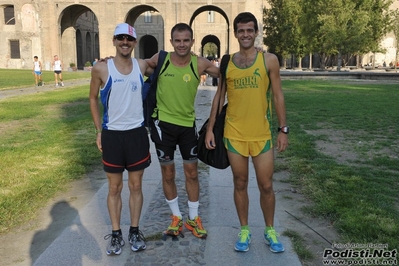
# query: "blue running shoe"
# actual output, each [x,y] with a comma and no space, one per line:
[115,245]
[244,239]
[272,241]
[137,240]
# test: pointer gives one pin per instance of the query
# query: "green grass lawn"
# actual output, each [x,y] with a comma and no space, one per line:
[45,141]
[19,78]
[359,195]
[48,140]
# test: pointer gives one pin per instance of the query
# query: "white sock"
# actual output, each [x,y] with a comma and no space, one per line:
[174,206]
[193,209]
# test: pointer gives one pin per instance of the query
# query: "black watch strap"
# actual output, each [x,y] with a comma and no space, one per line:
[284,129]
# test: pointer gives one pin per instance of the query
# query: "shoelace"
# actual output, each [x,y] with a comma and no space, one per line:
[244,235]
[199,223]
[115,239]
[273,235]
[175,221]
[137,236]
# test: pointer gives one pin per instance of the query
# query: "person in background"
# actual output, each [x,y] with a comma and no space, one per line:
[252,82]
[57,66]
[37,71]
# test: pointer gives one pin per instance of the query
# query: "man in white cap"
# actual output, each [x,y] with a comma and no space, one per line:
[121,136]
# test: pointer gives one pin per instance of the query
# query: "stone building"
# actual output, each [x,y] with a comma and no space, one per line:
[81,30]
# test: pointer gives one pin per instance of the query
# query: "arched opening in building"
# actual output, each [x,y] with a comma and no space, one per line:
[212,29]
[149,26]
[210,45]
[148,46]
[79,25]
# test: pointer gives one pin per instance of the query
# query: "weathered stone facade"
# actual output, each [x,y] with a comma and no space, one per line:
[46,27]
[81,30]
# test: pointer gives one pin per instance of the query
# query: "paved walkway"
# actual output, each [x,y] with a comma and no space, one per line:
[82,242]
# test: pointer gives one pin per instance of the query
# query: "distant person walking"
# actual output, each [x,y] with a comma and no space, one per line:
[57,66]
[37,71]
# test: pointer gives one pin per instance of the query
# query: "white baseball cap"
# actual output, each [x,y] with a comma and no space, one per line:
[124,28]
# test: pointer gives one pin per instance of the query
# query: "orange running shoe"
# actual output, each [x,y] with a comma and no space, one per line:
[195,226]
[176,226]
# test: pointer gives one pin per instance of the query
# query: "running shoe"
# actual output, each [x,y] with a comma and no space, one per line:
[244,239]
[137,240]
[272,241]
[176,226]
[115,245]
[62,84]
[195,226]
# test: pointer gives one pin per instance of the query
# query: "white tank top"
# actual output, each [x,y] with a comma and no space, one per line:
[121,98]
[57,65]
[37,65]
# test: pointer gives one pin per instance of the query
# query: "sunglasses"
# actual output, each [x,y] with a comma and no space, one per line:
[121,37]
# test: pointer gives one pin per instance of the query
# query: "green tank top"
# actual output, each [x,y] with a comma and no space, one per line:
[176,91]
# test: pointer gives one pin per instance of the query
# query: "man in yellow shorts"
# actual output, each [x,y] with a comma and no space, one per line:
[252,82]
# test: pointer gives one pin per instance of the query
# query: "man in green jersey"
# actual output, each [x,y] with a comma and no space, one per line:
[174,124]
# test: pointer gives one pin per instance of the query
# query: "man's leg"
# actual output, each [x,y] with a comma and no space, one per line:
[136,196]
[239,167]
[193,222]
[61,80]
[264,168]
[114,201]
[192,182]
[170,191]
[136,237]
[168,180]
[56,79]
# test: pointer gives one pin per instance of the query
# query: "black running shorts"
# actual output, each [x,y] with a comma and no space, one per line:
[128,150]
[167,136]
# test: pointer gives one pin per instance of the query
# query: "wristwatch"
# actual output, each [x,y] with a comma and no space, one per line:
[284,129]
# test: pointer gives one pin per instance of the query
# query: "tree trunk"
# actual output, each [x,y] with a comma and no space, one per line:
[339,63]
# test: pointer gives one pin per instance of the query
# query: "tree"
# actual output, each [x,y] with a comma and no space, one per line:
[210,49]
[328,28]
[345,26]
[282,30]
[395,30]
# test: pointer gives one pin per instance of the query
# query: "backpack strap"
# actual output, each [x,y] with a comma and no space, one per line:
[223,65]
[161,59]
[223,68]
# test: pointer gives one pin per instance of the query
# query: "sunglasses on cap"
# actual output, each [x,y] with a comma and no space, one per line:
[121,37]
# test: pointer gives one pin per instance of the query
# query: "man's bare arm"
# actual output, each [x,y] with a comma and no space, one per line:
[151,64]
[96,81]
[204,65]
[278,98]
